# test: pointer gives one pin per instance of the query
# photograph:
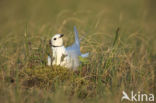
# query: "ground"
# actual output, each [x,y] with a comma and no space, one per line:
[119,34]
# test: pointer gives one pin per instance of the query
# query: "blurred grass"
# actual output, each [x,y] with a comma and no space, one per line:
[26,27]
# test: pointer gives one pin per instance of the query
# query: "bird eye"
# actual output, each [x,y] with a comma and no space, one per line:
[54,38]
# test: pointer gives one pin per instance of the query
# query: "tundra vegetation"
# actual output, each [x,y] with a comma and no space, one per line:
[119,34]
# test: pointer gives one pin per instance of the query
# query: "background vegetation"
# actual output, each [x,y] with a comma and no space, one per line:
[124,61]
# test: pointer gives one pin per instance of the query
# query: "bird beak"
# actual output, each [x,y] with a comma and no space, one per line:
[61,35]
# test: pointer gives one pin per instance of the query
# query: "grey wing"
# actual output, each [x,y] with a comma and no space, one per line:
[74,49]
[77,42]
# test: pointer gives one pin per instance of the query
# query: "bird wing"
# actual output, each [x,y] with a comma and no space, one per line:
[77,42]
[74,49]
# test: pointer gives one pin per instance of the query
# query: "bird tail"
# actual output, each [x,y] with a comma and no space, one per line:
[85,55]
[77,42]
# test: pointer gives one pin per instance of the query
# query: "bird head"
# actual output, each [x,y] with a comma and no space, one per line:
[56,40]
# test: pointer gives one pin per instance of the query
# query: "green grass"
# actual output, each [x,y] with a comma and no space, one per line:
[119,59]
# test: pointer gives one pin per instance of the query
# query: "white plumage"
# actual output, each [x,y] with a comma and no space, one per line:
[67,57]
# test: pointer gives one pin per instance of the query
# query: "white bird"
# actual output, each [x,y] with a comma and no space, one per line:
[67,57]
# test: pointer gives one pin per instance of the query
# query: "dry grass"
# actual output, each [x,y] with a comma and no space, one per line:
[119,60]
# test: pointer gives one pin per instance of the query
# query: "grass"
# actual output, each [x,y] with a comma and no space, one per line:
[119,59]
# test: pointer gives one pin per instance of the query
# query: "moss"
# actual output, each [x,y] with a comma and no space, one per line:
[57,77]
[45,76]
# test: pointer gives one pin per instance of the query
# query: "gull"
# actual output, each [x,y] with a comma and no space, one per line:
[67,57]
